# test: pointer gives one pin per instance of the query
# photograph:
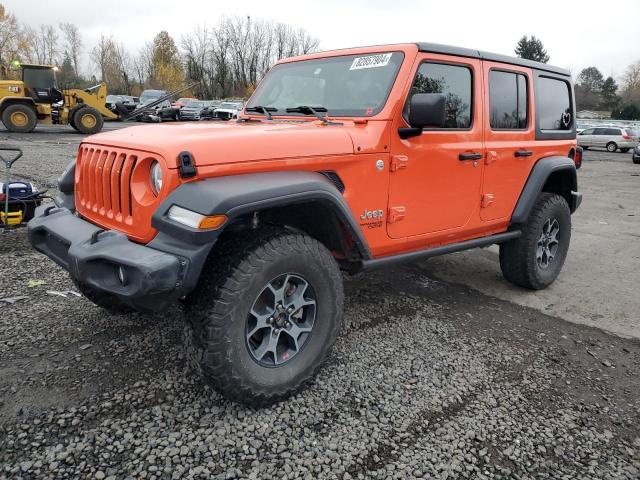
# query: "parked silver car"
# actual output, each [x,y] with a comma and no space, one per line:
[611,138]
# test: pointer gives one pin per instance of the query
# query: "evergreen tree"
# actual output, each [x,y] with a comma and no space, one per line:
[531,49]
[609,93]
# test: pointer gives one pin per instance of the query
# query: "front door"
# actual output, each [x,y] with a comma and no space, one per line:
[435,179]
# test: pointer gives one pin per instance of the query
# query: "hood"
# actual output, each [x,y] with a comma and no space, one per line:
[229,142]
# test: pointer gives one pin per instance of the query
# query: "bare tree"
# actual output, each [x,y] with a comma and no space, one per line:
[45,44]
[72,44]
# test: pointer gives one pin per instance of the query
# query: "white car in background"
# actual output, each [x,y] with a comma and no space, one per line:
[228,110]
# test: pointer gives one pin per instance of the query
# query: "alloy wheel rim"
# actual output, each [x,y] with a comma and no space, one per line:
[19,119]
[281,320]
[548,243]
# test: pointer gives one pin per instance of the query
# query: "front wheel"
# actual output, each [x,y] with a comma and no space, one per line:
[534,260]
[264,316]
[88,120]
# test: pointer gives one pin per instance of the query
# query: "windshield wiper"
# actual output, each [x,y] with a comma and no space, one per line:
[306,110]
[261,109]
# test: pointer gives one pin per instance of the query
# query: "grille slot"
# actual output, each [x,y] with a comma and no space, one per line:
[104,187]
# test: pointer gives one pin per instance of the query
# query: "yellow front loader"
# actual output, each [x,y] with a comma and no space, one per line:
[36,99]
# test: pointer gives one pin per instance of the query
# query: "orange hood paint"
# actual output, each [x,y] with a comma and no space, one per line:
[231,142]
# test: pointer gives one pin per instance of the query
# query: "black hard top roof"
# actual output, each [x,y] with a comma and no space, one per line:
[493,57]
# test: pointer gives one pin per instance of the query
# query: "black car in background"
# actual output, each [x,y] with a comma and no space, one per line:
[210,106]
[122,104]
[636,155]
[147,97]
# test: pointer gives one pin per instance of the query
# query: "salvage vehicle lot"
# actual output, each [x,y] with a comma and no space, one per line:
[429,378]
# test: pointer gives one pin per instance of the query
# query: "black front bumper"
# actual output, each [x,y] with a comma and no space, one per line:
[152,278]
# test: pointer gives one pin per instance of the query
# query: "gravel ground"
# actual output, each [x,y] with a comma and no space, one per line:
[429,379]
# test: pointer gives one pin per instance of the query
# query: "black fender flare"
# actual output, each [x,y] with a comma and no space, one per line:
[539,175]
[238,195]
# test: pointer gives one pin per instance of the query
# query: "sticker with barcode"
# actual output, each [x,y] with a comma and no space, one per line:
[371,61]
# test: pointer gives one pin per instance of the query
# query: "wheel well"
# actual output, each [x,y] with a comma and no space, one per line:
[314,218]
[14,101]
[561,183]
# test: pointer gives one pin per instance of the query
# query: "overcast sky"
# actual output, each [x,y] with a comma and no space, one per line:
[576,34]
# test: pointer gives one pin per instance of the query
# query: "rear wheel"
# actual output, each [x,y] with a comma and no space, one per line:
[88,120]
[534,260]
[612,147]
[19,118]
[264,316]
[624,150]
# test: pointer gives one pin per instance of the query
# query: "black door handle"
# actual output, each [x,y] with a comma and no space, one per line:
[523,153]
[469,156]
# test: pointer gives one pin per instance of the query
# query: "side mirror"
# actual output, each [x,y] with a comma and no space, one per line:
[425,110]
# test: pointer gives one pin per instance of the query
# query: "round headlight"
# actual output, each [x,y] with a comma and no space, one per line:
[156,177]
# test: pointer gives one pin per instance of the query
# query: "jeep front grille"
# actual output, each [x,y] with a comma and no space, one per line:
[113,190]
[104,186]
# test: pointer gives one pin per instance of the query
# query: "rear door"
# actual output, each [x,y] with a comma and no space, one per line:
[435,179]
[509,138]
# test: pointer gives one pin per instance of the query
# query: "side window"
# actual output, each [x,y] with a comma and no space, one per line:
[507,100]
[613,132]
[600,131]
[553,104]
[453,81]
[589,131]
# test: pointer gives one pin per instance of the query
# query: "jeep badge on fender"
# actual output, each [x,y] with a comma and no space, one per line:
[250,222]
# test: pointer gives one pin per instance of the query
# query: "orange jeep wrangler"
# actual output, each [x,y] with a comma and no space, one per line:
[344,160]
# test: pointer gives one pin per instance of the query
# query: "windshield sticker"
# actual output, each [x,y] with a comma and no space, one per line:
[371,61]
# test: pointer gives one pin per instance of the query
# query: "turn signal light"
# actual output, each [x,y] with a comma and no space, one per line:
[194,219]
[214,221]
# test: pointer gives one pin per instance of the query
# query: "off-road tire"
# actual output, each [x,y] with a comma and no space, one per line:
[104,300]
[612,147]
[88,120]
[72,114]
[26,114]
[216,314]
[518,257]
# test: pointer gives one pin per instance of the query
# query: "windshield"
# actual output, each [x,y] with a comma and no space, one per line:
[349,85]
[39,77]
[150,96]
[193,104]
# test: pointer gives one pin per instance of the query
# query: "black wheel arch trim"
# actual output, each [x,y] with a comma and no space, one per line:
[239,195]
[538,177]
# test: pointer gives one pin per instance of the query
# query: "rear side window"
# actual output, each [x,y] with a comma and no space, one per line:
[613,131]
[507,100]
[553,104]
[455,82]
